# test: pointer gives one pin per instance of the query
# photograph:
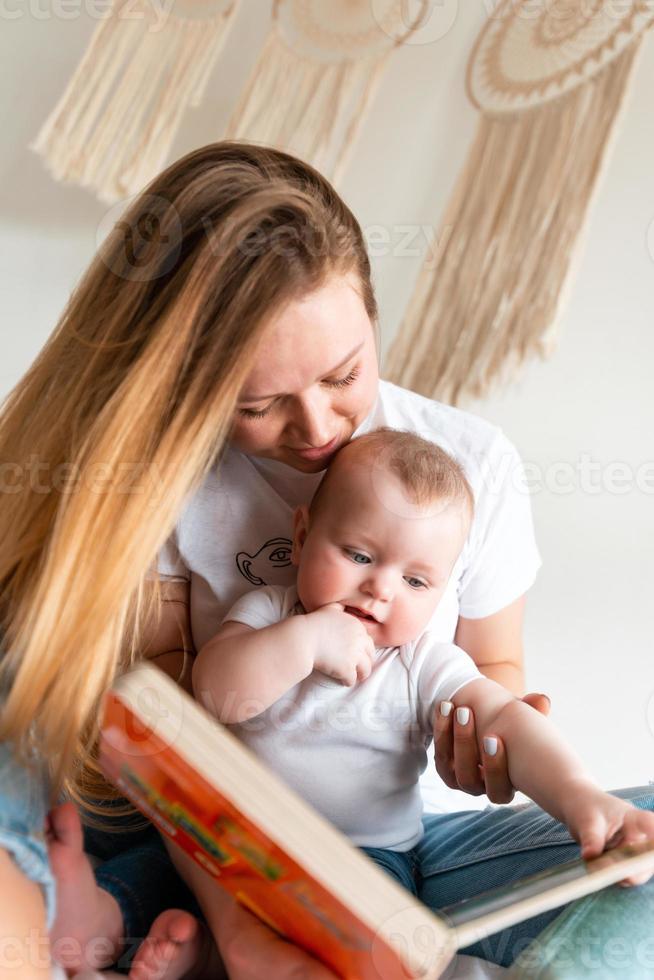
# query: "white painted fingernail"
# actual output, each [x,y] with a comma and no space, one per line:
[490,745]
[462,715]
[446,707]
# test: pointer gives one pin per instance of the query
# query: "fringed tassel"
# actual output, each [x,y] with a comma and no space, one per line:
[509,237]
[311,108]
[114,126]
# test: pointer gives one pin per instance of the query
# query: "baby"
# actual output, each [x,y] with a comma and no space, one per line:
[339,686]
[337,683]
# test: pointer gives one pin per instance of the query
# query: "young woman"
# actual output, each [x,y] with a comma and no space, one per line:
[220,348]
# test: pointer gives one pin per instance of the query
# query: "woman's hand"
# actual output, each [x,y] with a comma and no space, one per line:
[251,950]
[458,761]
[248,949]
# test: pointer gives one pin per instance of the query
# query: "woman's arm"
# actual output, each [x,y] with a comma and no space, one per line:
[495,645]
[169,644]
[247,947]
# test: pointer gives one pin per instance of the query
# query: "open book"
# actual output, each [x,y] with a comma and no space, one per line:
[284,862]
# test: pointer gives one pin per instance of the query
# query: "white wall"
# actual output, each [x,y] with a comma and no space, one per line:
[590,618]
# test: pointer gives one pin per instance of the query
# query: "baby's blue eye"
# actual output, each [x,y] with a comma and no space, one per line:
[415,583]
[358,558]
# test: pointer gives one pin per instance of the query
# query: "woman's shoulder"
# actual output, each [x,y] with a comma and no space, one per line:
[465,435]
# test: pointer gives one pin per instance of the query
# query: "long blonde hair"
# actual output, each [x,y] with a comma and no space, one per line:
[125,409]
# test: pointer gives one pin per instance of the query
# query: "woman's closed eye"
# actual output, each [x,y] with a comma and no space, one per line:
[254,413]
[347,380]
[260,413]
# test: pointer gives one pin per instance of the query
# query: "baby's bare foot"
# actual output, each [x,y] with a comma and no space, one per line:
[176,946]
[88,926]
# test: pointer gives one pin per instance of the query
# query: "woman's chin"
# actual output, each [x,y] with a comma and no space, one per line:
[310,465]
[302,463]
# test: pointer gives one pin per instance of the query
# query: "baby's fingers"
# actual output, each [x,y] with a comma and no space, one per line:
[631,827]
[642,876]
[638,879]
[638,825]
[591,833]
[638,828]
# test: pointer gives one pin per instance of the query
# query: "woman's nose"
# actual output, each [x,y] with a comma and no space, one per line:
[311,420]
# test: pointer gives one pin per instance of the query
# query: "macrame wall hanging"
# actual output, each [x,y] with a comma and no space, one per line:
[317,75]
[549,78]
[114,126]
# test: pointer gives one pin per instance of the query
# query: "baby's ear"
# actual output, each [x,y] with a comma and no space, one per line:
[300,530]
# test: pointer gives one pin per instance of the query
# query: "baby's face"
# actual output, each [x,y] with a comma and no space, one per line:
[384,558]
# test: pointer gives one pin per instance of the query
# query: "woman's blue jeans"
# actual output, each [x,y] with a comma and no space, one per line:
[460,855]
[465,853]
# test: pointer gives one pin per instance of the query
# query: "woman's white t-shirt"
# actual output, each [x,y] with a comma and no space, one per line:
[235,532]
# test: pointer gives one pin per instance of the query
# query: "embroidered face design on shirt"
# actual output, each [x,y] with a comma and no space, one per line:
[259,568]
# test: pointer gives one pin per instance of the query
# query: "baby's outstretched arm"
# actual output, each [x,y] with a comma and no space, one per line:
[242,671]
[546,769]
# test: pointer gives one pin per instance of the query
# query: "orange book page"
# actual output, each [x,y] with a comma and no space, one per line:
[235,852]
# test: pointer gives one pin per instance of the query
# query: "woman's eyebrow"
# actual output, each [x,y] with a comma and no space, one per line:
[261,398]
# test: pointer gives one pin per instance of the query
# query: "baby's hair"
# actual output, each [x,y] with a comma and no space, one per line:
[425,470]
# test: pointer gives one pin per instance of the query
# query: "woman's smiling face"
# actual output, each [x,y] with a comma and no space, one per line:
[314,379]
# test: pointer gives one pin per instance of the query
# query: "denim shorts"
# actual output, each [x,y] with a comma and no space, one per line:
[23,809]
